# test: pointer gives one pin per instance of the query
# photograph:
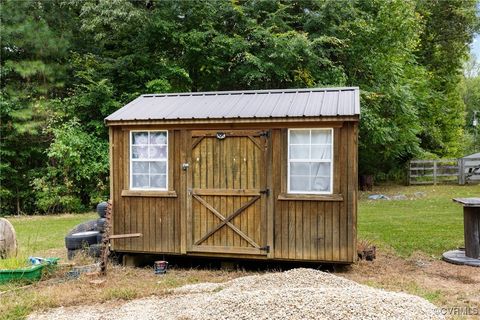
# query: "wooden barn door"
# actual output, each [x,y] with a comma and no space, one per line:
[227,192]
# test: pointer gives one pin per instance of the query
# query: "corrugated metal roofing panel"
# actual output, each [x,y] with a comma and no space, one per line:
[297,108]
[472,156]
[315,102]
[268,105]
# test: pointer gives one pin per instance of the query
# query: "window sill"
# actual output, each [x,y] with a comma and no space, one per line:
[142,193]
[310,197]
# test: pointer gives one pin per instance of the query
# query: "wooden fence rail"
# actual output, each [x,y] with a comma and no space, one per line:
[461,171]
[433,171]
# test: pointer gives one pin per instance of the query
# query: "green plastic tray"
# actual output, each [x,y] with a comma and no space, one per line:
[33,273]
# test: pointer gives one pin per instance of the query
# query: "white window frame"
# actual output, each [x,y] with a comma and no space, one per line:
[147,160]
[310,160]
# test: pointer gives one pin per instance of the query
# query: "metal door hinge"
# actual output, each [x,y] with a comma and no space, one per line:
[266,248]
[265,134]
[265,191]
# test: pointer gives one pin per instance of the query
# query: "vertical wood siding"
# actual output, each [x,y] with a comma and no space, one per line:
[317,230]
[156,218]
[294,229]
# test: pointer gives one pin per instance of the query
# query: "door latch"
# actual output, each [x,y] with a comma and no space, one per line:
[185,166]
[265,191]
[266,248]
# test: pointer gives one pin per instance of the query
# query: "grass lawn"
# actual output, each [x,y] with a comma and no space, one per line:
[429,222]
[38,235]
[411,235]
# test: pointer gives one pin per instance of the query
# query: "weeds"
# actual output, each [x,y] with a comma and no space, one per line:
[14,263]
[120,294]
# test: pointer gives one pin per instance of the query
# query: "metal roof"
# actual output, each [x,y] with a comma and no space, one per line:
[315,102]
[472,156]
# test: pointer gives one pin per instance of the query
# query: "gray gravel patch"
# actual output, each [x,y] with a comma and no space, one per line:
[295,294]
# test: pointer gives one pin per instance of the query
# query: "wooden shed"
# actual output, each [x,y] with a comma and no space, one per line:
[269,174]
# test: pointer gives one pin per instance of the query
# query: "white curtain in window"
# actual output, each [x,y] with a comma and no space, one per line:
[149,160]
[310,157]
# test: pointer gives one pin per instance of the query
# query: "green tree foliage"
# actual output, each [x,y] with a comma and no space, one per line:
[34,49]
[471,98]
[449,26]
[378,42]
[67,64]
[76,173]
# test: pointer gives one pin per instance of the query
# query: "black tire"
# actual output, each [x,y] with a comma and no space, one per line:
[81,239]
[90,225]
[95,250]
[102,209]
[101,224]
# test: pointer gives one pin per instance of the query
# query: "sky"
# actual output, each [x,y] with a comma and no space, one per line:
[475,47]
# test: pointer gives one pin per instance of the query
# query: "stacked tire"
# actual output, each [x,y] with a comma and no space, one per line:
[87,237]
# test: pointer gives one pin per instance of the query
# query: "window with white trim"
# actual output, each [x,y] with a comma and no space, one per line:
[149,160]
[310,166]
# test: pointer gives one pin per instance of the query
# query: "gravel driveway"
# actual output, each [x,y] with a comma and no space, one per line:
[295,294]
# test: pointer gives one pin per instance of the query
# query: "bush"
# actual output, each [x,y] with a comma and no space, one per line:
[76,175]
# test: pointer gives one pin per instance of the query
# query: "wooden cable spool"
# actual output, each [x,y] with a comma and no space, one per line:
[8,239]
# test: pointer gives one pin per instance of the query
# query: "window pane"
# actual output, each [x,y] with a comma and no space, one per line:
[321,137]
[158,181]
[158,137]
[320,184]
[299,152]
[149,174]
[139,137]
[307,148]
[320,169]
[140,152]
[299,136]
[321,152]
[158,167]
[139,167]
[299,183]
[158,152]
[300,168]
[140,181]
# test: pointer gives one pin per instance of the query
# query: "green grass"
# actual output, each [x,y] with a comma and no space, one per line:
[14,263]
[431,224]
[36,235]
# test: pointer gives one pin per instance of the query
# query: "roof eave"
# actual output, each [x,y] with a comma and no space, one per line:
[333,118]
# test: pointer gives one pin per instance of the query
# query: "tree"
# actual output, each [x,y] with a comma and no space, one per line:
[444,47]
[67,64]
[35,43]
[471,98]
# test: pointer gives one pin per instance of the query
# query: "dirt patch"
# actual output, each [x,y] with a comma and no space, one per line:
[294,294]
[122,284]
[444,284]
